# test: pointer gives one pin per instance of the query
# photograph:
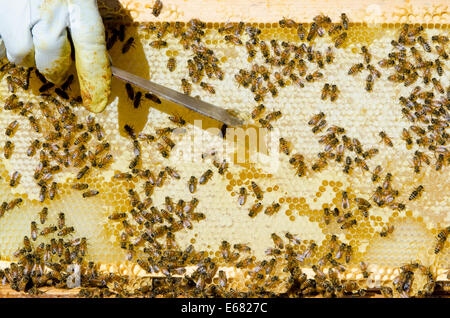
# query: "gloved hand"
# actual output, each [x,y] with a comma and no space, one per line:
[34,33]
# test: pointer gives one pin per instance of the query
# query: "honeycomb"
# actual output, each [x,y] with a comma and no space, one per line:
[302,199]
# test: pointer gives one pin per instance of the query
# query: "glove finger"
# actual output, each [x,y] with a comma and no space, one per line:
[51,45]
[17,36]
[88,35]
[2,49]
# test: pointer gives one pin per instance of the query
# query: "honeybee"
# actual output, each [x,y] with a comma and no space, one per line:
[153,98]
[326,215]
[288,23]
[209,88]
[278,241]
[272,209]
[171,172]
[370,153]
[158,44]
[275,47]
[117,216]
[335,28]
[297,80]
[192,184]
[340,39]
[162,150]
[271,87]
[34,231]
[329,55]
[127,45]
[273,116]
[255,209]
[386,63]
[82,172]
[227,27]
[250,49]
[284,146]
[437,85]
[441,239]
[387,230]
[387,181]
[168,141]
[365,52]
[422,157]
[61,93]
[344,21]
[424,43]
[257,191]
[348,224]
[314,76]
[242,196]
[157,7]
[233,39]
[406,136]
[319,126]
[333,93]
[34,124]
[90,193]
[43,215]
[296,159]
[61,220]
[52,191]
[356,68]
[8,149]
[15,177]
[42,193]
[439,68]
[439,162]
[265,124]
[316,118]
[301,67]
[11,85]
[279,79]
[122,176]
[48,230]
[81,139]
[312,31]
[162,29]
[222,167]
[12,102]
[257,111]
[416,192]
[10,130]
[301,31]
[361,163]
[325,91]
[386,139]
[443,39]
[397,206]
[369,83]
[205,176]
[376,173]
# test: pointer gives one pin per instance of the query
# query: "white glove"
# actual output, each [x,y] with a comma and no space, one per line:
[33,32]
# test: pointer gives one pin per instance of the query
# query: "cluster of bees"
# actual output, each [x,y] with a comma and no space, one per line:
[148,232]
[267,121]
[426,108]
[162,138]
[66,143]
[372,70]
[204,62]
[292,60]
[59,262]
